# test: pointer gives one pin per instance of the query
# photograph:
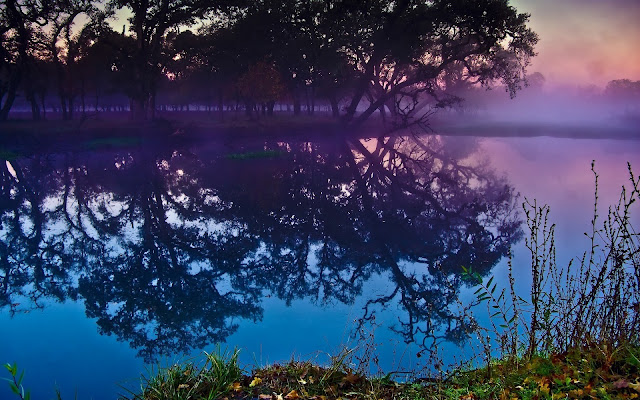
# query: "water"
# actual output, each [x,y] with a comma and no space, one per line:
[113,260]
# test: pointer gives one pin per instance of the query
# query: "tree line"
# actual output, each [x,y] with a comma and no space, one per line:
[398,58]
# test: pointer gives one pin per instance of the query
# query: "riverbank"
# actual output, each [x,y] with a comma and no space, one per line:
[590,372]
[596,371]
[233,126]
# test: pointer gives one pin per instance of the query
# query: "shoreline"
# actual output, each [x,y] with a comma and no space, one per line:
[117,129]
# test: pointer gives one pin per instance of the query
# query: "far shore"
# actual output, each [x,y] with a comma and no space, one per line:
[235,126]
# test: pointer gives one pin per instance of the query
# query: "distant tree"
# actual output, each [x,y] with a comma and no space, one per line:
[261,86]
[536,80]
[623,89]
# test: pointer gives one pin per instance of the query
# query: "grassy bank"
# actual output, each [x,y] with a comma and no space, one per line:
[596,371]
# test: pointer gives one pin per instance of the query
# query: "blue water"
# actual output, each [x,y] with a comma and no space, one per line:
[115,260]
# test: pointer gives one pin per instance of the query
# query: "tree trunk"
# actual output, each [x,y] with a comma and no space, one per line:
[44,107]
[335,109]
[296,105]
[11,96]
[63,105]
[220,107]
[35,107]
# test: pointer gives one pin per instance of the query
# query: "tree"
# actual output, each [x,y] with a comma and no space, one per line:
[64,58]
[19,20]
[623,89]
[262,86]
[399,50]
[150,22]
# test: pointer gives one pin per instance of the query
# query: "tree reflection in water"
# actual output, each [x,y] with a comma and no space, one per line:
[169,249]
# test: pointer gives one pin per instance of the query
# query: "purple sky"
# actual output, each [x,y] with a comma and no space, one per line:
[585,42]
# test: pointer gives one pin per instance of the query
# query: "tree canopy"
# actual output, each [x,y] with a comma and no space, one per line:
[354,57]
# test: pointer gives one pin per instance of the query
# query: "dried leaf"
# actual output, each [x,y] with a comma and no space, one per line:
[264,397]
[293,395]
[544,388]
[352,378]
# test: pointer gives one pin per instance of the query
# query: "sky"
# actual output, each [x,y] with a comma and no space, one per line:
[585,42]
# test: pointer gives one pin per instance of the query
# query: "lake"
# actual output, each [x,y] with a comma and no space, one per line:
[116,258]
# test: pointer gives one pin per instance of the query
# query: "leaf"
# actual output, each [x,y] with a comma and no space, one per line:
[14,388]
[352,378]
[489,283]
[292,395]
[13,369]
[264,397]
[255,382]
[544,388]
[21,377]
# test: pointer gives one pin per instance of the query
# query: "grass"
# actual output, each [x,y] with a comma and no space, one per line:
[112,142]
[8,155]
[215,379]
[254,155]
[596,372]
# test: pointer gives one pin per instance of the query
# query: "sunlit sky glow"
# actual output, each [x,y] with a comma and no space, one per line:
[584,42]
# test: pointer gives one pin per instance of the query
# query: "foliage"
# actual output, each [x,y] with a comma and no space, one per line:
[216,378]
[261,84]
[595,302]
[380,55]
[590,372]
[15,383]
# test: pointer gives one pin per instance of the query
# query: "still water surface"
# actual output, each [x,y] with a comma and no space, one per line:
[117,258]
